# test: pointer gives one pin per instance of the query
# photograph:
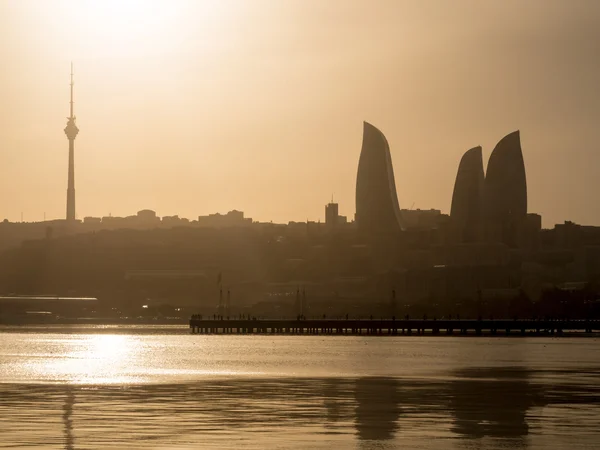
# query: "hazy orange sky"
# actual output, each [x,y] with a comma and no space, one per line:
[192,107]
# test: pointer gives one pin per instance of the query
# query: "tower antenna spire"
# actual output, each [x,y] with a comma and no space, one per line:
[71,102]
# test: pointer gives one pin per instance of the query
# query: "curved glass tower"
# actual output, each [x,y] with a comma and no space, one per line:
[377,209]
[467,200]
[505,193]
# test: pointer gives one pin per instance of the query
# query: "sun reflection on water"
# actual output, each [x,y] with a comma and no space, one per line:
[95,359]
[109,359]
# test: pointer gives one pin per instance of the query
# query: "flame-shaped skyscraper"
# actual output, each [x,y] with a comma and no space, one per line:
[377,209]
[505,191]
[467,201]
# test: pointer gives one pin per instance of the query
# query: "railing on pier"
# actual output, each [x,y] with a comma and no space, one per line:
[392,327]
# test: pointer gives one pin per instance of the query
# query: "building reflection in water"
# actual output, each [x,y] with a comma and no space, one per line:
[337,399]
[493,402]
[473,405]
[377,408]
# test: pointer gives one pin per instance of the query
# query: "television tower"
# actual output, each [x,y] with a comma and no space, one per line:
[71,131]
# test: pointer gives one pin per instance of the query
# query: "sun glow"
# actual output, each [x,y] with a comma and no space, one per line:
[123,18]
[132,27]
[136,28]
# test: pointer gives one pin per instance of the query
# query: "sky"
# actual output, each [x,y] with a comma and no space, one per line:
[192,107]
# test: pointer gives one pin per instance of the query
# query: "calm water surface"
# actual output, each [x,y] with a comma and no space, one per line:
[160,387]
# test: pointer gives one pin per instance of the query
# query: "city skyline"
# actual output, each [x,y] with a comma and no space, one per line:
[484,202]
[376,194]
[300,223]
[275,137]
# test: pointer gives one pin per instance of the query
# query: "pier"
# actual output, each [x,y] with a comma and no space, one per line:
[391,327]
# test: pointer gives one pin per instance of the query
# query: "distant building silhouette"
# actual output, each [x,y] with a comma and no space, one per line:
[505,192]
[332,216]
[147,215]
[92,220]
[377,209]
[71,131]
[421,218]
[175,220]
[231,219]
[467,200]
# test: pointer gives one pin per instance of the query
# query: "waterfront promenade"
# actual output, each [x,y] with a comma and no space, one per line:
[391,327]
